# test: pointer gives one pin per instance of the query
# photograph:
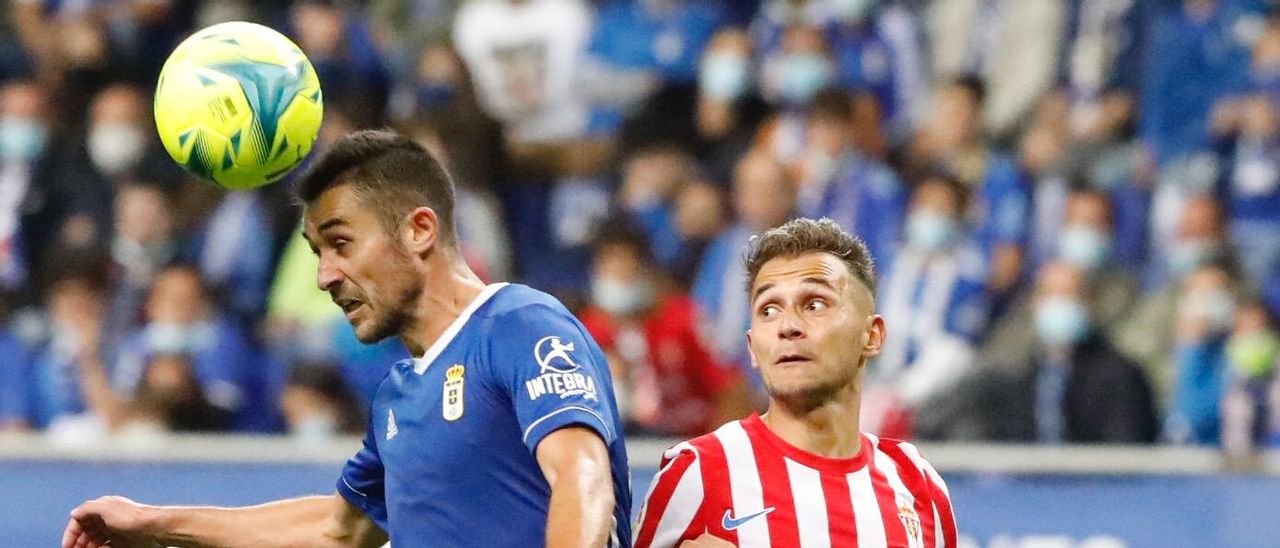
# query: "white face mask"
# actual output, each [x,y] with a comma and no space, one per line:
[930,231]
[621,298]
[115,147]
[1084,247]
[724,76]
[21,138]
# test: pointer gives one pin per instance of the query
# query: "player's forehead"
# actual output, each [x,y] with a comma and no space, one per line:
[794,273]
[335,206]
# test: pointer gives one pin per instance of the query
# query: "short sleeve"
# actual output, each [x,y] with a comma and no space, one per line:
[363,482]
[554,373]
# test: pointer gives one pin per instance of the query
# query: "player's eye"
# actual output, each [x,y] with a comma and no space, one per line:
[816,305]
[769,311]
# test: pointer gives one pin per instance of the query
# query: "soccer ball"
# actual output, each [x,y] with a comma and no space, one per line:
[238,104]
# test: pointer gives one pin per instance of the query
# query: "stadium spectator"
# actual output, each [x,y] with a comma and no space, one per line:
[699,216]
[839,181]
[1251,406]
[1076,388]
[1204,320]
[1012,46]
[69,388]
[26,216]
[1147,335]
[762,198]
[1252,173]
[729,107]
[144,242]
[318,405]
[341,47]
[652,177]
[182,321]
[933,296]
[1085,241]
[674,385]
[1000,205]
[169,399]
[1195,56]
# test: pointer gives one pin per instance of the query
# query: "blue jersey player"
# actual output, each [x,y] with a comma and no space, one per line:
[503,432]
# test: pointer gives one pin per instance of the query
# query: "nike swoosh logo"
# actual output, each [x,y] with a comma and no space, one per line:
[730,524]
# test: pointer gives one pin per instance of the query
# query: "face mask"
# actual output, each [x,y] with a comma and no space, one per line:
[621,298]
[434,94]
[1085,248]
[723,76]
[803,75]
[21,138]
[1187,255]
[167,338]
[1217,308]
[1253,355]
[930,231]
[851,11]
[1061,321]
[115,147]
[316,428]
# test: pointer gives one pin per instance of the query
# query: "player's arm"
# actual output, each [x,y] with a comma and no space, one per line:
[576,464]
[320,521]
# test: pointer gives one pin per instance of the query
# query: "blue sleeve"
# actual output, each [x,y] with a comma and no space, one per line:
[363,482]
[553,372]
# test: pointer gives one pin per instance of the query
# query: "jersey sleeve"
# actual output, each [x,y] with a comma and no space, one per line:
[673,502]
[555,375]
[363,482]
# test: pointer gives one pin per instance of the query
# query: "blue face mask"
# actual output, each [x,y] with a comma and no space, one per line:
[1061,321]
[21,138]
[1187,255]
[930,231]
[434,94]
[803,75]
[723,76]
[1085,248]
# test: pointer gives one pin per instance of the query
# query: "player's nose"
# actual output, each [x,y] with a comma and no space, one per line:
[328,276]
[790,327]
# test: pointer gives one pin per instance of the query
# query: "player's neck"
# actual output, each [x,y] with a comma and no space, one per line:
[449,290]
[829,430]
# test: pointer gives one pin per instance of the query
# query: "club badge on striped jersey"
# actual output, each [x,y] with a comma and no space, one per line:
[910,522]
[453,400]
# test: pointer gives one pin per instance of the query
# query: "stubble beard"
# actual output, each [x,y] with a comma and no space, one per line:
[810,396]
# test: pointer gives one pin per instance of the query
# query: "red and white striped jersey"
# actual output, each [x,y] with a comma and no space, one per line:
[744,484]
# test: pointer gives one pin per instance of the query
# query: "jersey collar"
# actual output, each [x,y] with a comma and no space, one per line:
[420,364]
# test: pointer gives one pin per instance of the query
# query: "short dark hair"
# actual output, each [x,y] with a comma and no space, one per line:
[974,85]
[801,236]
[831,105]
[389,172]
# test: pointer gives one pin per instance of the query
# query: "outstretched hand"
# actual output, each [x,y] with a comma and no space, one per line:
[116,522]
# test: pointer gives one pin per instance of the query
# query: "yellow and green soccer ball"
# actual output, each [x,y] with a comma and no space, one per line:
[238,104]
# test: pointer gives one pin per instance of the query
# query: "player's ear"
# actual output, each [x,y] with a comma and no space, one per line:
[873,336]
[420,230]
[751,351]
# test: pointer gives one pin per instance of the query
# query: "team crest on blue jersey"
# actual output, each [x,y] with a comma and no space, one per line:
[453,400]
[558,372]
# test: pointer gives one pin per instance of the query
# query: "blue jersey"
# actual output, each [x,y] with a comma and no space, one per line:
[449,455]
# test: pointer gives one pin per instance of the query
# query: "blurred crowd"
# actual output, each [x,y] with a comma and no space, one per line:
[1074,206]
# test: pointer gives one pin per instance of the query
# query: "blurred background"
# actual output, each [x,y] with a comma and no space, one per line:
[1074,207]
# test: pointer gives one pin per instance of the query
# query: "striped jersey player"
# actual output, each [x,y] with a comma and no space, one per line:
[802,475]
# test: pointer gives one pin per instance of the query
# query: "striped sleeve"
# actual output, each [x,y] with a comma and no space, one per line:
[944,519]
[673,501]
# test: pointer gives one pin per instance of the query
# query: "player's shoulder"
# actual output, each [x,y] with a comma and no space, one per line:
[905,455]
[521,302]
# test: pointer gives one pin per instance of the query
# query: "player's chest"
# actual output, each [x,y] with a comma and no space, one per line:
[798,506]
[438,416]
